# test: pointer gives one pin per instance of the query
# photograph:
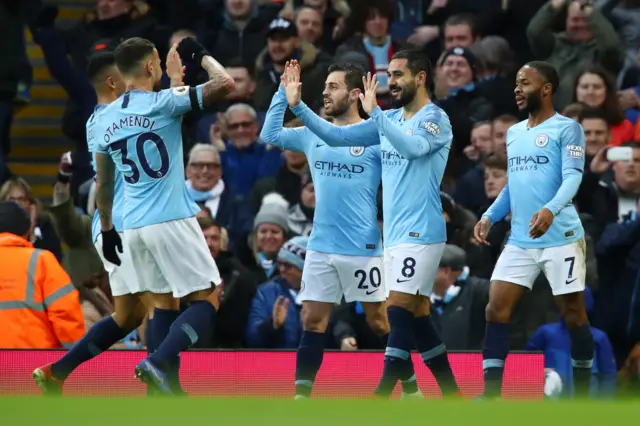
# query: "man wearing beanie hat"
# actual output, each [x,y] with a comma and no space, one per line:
[41,308]
[274,320]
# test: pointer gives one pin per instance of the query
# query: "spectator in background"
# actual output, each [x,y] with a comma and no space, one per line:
[44,234]
[243,160]
[240,34]
[300,218]
[44,308]
[458,302]
[309,24]
[238,289]
[269,234]
[553,339]
[482,259]
[597,135]
[332,14]
[212,127]
[464,104]
[470,189]
[616,197]
[499,129]
[287,181]
[283,44]
[588,38]
[371,21]
[618,254]
[460,31]
[496,73]
[206,187]
[595,88]
[274,321]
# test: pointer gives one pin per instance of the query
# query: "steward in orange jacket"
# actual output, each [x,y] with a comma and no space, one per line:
[39,307]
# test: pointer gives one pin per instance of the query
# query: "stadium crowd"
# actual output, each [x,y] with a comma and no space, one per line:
[254,198]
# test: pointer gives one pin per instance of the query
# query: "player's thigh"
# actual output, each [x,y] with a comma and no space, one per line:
[180,250]
[517,265]
[376,315]
[565,267]
[361,277]
[412,268]
[145,268]
[320,280]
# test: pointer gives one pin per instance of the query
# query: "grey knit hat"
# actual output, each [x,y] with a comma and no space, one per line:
[274,213]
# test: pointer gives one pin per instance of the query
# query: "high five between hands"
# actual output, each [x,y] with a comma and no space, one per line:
[290,80]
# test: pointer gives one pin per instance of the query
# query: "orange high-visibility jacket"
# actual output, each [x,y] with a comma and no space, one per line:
[39,307]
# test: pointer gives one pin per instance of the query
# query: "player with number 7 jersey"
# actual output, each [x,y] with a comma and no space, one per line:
[141,134]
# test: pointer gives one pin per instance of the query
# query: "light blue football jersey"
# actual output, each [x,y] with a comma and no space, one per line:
[142,132]
[541,159]
[118,190]
[346,181]
[414,155]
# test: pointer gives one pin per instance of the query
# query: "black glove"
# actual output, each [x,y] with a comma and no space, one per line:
[191,52]
[110,241]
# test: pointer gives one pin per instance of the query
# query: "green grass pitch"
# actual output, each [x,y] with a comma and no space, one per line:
[40,411]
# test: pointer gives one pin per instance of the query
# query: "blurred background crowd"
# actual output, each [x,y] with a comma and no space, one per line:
[255,198]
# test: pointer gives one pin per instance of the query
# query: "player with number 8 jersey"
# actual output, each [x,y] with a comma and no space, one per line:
[141,135]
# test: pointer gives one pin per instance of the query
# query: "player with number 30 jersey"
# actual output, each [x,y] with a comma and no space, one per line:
[141,134]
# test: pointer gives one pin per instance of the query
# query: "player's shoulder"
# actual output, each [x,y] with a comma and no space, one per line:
[433,119]
[567,126]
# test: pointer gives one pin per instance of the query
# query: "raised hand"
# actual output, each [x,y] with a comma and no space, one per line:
[175,69]
[290,79]
[368,99]
[280,309]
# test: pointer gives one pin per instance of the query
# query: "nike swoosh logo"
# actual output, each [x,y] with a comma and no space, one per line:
[567,282]
[371,292]
[401,281]
[318,145]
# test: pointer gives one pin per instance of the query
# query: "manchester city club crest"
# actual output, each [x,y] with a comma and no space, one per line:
[542,140]
[357,151]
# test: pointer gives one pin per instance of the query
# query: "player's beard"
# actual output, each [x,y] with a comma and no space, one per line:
[407,94]
[338,108]
[534,102]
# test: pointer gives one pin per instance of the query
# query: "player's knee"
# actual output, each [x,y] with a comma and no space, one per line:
[497,312]
[314,320]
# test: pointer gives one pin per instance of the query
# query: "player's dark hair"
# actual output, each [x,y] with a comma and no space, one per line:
[417,62]
[464,19]
[100,62]
[131,52]
[548,73]
[353,74]
[592,113]
[496,161]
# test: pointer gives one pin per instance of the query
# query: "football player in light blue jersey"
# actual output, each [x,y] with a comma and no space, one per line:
[414,144]
[140,135]
[344,254]
[546,155]
[129,313]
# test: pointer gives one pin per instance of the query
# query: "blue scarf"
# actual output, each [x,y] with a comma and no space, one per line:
[199,196]
[467,88]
